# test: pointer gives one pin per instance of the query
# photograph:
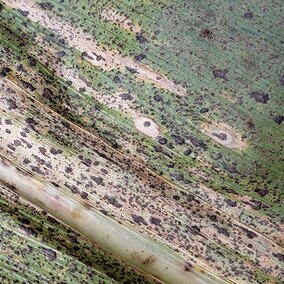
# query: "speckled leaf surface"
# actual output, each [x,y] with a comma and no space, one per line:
[165,117]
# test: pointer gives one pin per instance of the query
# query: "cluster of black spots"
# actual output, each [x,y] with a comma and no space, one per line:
[197,142]
[221,136]
[113,201]
[260,97]
[262,192]
[257,205]
[279,256]
[221,73]
[5,71]
[11,104]
[28,86]
[178,139]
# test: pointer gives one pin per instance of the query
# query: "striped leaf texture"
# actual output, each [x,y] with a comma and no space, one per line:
[141,141]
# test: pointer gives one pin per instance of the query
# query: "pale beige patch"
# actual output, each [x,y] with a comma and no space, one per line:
[146,126]
[113,16]
[224,135]
[95,54]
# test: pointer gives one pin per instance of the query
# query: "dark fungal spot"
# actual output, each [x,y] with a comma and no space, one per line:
[223,231]
[11,104]
[278,118]
[231,169]
[158,98]
[68,170]
[281,80]
[42,151]
[279,256]
[17,142]
[60,54]
[84,195]
[147,123]
[55,151]
[204,110]
[262,192]
[48,94]
[155,221]
[187,152]
[176,197]
[8,121]
[256,204]
[141,38]
[221,136]
[117,79]
[162,141]
[112,200]
[260,97]
[195,230]
[177,176]
[5,71]
[28,85]
[46,5]
[140,57]
[190,198]
[23,13]
[213,218]
[131,70]
[26,161]
[98,180]
[221,73]
[31,61]
[87,162]
[187,267]
[178,139]
[50,254]
[248,15]
[250,234]
[37,170]
[138,219]
[197,142]
[206,33]
[231,203]
[126,97]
